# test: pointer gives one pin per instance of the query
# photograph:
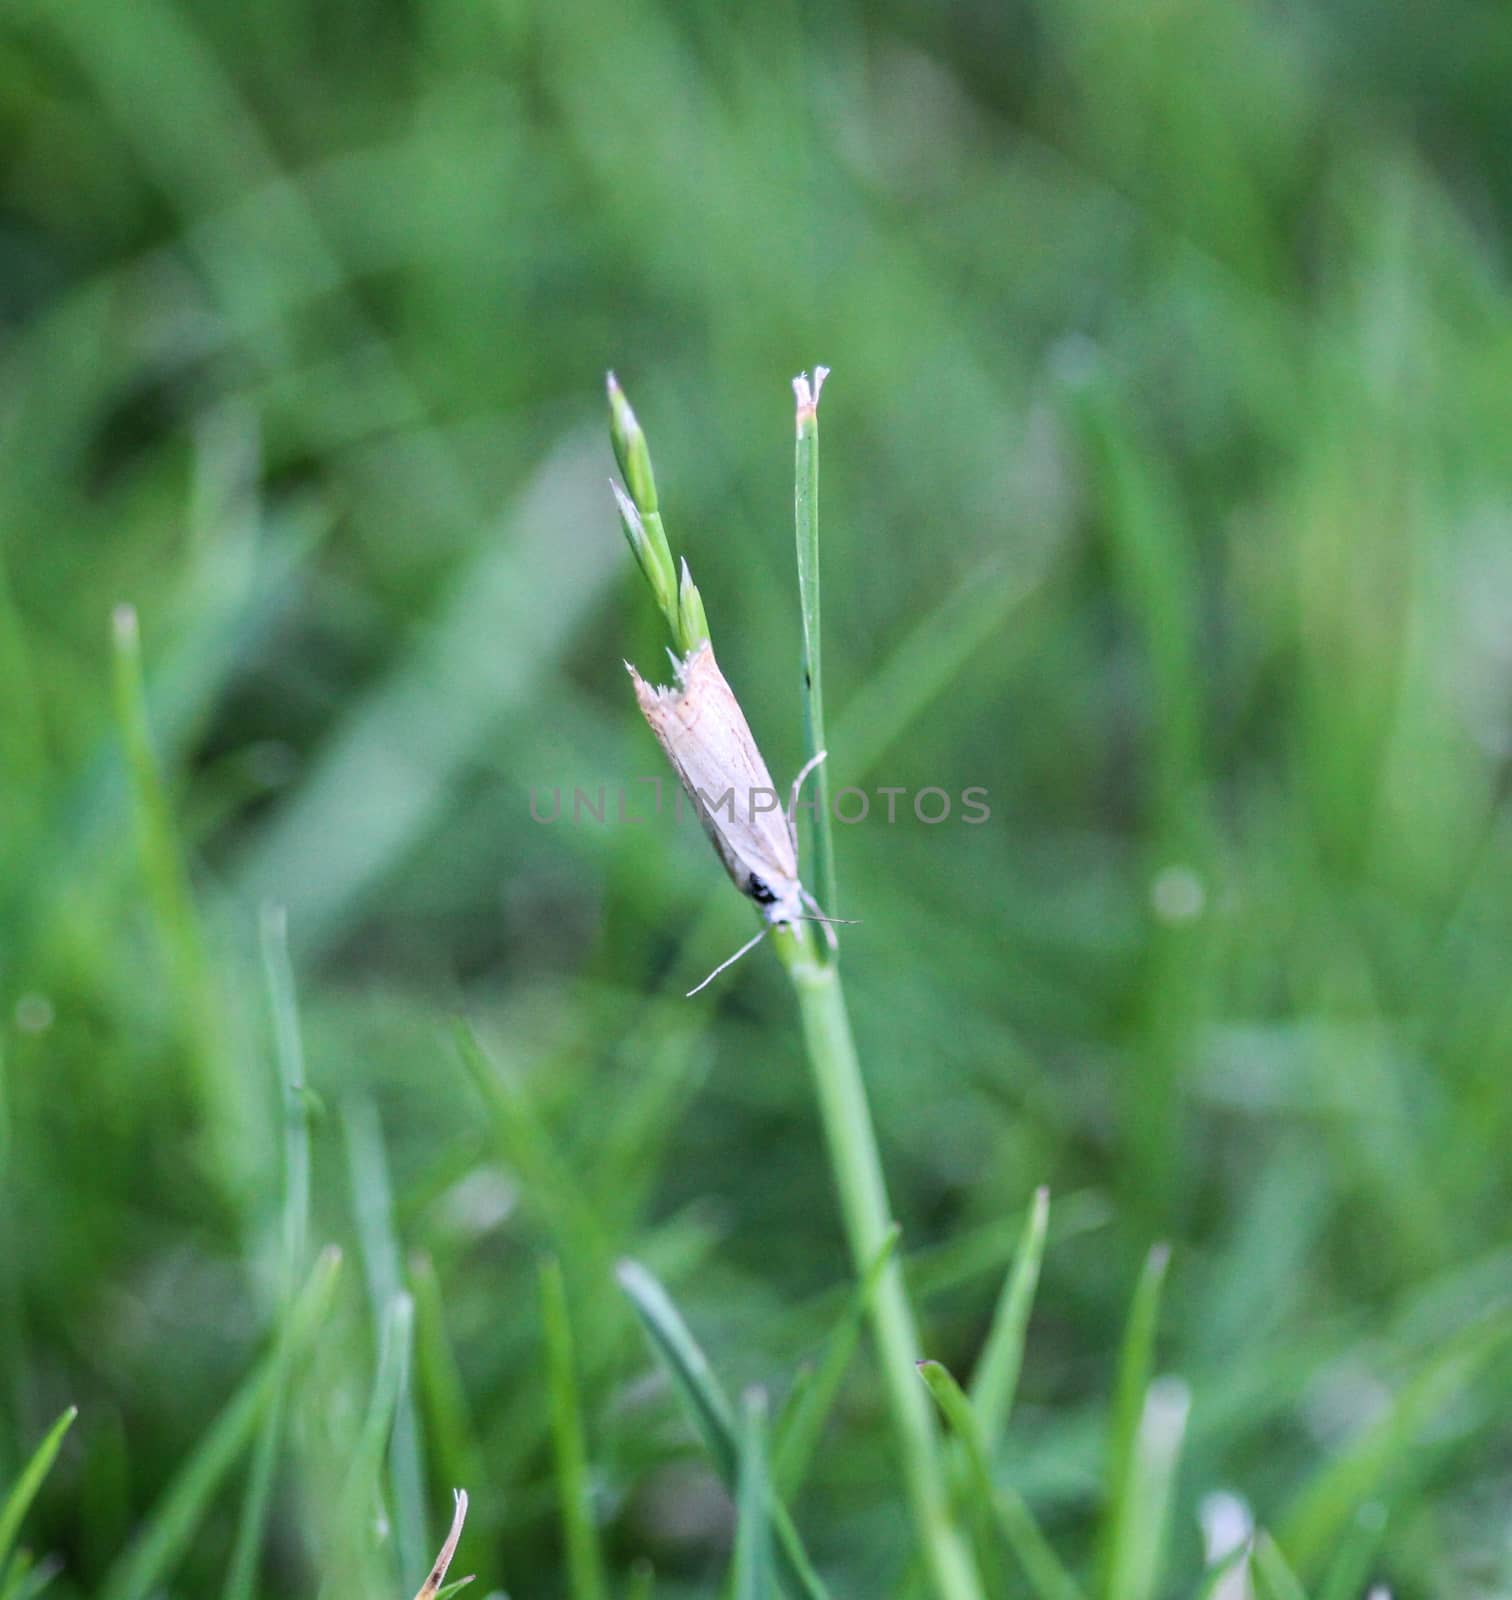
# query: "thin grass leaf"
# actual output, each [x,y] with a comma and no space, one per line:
[1352,1561]
[1135,1366]
[1272,1569]
[689,1368]
[1041,1566]
[1139,1546]
[442,1392]
[528,1150]
[809,1407]
[930,657]
[361,1507]
[31,1479]
[1320,1514]
[29,1579]
[166,877]
[821,867]
[241,1572]
[146,1563]
[753,1529]
[435,1585]
[585,1561]
[709,1407]
[669,1062]
[1217,1574]
[373,1208]
[995,1381]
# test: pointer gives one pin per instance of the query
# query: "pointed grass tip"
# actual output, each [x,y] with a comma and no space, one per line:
[630,448]
[432,1585]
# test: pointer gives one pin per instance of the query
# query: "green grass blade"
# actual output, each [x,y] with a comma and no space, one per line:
[241,1572]
[697,1387]
[709,1407]
[1213,1578]
[1042,1568]
[28,1579]
[642,1581]
[1350,1567]
[1319,1516]
[821,865]
[362,1493]
[373,1207]
[144,1566]
[170,895]
[442,1392]
[585,1562]
[995,1381]
[31,1478]
[1275,1574]
[527,1148]
[798,1436]
[1139,1544]
[753,1499]
[1135,1367]
[935,652]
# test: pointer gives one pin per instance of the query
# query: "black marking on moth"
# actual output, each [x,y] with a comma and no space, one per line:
[759,891]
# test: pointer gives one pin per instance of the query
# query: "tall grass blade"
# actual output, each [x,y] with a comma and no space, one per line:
[241,1573]
[1135,1368]
[29,1578]
[166,877]
[1139,1545]
[1350,1567]
[1042,1568]
[1217,1581]
[527,1148]
[1277,1580]
[820,871]
[753,1500]
[146,1563]
[709,1407]
[30,1480]
[442,1392]
[995,1381]
[1384,1453]
[362,1498]
[585,1562]
[373,1207]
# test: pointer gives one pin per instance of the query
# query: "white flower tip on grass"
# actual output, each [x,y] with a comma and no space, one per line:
[808,395]
[1227,1523]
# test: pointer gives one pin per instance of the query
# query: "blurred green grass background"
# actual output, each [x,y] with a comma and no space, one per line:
[1165,496]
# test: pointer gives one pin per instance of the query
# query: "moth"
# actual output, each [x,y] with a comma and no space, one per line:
[700,725]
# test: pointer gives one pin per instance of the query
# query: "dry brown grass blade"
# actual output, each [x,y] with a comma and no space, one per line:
[432,1585]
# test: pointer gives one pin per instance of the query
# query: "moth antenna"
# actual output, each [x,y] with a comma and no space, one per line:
[730,961]
[808,766]
[826,922]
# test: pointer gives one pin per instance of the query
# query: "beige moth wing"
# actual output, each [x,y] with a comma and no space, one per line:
[700,725]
